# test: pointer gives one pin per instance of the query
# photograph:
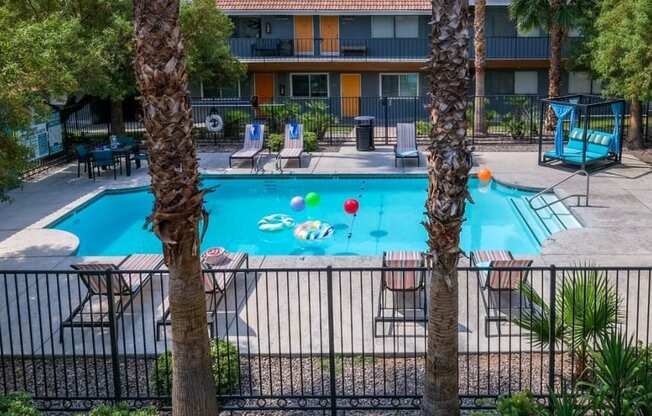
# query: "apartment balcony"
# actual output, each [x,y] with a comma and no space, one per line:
[379,49]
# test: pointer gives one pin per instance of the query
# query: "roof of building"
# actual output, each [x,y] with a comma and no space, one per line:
[357,6]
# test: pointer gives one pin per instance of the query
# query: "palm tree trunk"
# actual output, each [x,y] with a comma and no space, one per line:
[161,75]
[635,131]
[479,124]
[554,72]
[449,163]
[117,117]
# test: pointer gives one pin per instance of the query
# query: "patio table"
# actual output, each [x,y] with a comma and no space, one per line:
[121,151]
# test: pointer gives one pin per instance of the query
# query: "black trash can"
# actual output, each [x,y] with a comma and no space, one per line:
[364,133]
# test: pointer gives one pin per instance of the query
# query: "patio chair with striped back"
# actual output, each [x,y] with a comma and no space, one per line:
[406,284]
[499,281]
[219,272]
[253,143]
[293,147]
[93,310]
[406,143]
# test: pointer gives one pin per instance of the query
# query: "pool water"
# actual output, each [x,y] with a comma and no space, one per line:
[389,218]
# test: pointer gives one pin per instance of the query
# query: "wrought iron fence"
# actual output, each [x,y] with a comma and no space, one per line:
[322,339]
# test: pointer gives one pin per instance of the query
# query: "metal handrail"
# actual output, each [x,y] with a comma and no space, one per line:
[552,187]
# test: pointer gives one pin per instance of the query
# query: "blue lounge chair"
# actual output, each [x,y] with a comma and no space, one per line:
[597,147]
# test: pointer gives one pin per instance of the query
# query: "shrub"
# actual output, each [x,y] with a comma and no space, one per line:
[423,128]
[515,126]
[225,368]
[279,114]
[17,404]
[234,122]
[122,410]
[275,142]
[520,404]
[310,142]
[317,118]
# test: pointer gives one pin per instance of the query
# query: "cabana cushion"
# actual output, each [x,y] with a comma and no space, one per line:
[597,146]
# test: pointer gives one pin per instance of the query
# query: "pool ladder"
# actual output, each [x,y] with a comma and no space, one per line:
[557,200]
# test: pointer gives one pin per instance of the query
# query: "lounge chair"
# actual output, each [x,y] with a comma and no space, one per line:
[217,279]
[253,144]
[93,311]
[500,286]
[293,147]
[407,286]
[406,143]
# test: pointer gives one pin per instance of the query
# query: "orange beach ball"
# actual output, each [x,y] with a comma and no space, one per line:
[484,175]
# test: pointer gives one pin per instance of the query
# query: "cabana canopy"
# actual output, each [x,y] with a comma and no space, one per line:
[588,131]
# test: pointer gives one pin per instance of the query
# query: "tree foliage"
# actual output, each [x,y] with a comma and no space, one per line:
[622,48]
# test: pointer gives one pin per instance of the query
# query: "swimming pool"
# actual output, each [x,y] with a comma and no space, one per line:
[390,215]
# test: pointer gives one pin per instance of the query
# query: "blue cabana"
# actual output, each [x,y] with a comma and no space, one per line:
[588,131]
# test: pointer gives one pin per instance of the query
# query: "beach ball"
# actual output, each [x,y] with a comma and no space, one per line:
[484,175]
[351,206]
[297,203]
[312,199]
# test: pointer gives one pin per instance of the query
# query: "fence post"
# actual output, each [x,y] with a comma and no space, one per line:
[385,103]
[113,338]
[553,324]
[331,340]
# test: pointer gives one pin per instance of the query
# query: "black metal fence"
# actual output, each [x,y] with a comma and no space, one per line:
[321,339]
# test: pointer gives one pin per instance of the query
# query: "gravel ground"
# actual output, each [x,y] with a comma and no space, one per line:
[398,378]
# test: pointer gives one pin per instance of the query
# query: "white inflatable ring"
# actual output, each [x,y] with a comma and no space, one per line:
[275,222]
[313,230]
[214,123]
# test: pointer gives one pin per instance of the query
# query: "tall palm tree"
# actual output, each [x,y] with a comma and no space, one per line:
[479,19]
[449,162]
[178,207]
[557,18]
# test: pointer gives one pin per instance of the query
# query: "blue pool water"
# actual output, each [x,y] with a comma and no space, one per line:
[390,215]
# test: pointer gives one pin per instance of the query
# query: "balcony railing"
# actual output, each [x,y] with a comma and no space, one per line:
[401,49]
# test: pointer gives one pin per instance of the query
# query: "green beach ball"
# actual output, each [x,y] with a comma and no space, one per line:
[312,199]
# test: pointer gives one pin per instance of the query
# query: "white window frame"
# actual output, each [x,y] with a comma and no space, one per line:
[396,18]
[536,82]
[203,97]
[533,33]
[373,18]
[328,84]
[573,92]
[380,83]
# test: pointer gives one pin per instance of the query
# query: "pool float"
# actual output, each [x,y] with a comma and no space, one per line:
[275,222]
[313,230]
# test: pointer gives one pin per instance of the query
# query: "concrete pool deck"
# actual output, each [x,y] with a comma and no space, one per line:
[618,231]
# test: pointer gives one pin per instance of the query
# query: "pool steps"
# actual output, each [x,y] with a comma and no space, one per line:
[546,221]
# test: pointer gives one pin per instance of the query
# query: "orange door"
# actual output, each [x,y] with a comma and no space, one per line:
[350,90]
[329,30]
[264,87]
[304,38]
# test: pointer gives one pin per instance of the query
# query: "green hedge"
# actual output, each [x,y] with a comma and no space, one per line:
[122,410]
[225,368]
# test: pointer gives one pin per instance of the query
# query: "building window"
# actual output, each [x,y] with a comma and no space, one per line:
[207,89]
[399,85]
[526,82]
[395,26]
[579,83]
[309,85]
[382,26]
[499,82]
[407,26]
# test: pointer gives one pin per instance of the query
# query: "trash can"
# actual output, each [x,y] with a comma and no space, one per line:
[364,133]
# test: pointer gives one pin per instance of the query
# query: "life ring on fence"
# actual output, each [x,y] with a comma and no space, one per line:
[275,222]
[313,230]
[214,123]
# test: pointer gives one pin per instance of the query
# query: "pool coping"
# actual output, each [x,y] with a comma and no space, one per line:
[62,214]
